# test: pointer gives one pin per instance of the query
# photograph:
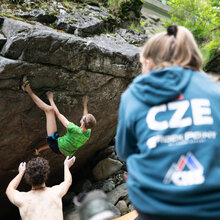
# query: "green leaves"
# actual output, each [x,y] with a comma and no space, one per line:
[202,17]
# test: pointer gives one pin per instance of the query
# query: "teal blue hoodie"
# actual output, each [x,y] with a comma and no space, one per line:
[169,134]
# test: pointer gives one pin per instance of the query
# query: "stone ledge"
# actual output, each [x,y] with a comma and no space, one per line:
[156,8]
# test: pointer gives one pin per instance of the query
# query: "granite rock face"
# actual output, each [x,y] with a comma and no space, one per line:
[71,66]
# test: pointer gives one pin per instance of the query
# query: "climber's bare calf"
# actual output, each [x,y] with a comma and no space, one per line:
[61,117]
[49,111]
[45,147]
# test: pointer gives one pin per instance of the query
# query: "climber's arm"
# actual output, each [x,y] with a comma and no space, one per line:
[85,108]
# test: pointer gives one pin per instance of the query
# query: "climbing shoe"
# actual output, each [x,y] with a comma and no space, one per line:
[24,82]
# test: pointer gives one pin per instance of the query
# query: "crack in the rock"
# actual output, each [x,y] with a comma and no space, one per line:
[109,74]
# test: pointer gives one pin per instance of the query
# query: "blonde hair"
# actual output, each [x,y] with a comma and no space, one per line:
[168,49]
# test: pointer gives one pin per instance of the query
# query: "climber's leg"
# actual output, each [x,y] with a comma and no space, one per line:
[37,151]
[51,125]
[61,117]
[49,110]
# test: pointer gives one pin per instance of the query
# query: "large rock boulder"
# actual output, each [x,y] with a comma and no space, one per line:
[119,192]
[100,66]
[106,168]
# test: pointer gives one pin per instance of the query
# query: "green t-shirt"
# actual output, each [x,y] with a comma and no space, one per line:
[73,139]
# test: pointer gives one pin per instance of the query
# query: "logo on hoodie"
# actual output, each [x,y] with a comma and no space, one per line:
[187,171]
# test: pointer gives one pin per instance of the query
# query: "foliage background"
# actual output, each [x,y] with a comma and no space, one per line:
[202,17]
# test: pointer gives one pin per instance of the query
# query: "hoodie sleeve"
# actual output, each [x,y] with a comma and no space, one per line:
[125,138]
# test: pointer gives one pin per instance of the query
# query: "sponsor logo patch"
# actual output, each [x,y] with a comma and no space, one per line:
[187,171]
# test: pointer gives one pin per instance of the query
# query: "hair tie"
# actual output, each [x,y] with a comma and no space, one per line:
[172,30]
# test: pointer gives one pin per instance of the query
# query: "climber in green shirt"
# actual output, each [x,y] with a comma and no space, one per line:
[75,136]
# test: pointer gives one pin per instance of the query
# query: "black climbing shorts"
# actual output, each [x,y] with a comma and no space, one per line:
[53,143]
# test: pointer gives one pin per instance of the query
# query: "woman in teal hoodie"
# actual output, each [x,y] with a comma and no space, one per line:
[169,132]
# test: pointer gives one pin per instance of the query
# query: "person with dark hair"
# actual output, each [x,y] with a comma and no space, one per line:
[169,132]
[41,202]
[75,136]
[37,171]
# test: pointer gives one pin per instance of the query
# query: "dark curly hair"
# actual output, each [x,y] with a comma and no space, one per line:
[37,171]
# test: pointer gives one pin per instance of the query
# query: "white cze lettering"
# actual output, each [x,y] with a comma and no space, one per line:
[201,114]
[200,108]
[177,119]
[151,118]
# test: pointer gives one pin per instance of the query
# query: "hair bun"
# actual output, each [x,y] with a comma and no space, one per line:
[172,30]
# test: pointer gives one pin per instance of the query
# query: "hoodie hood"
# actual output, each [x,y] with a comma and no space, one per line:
[162,85]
